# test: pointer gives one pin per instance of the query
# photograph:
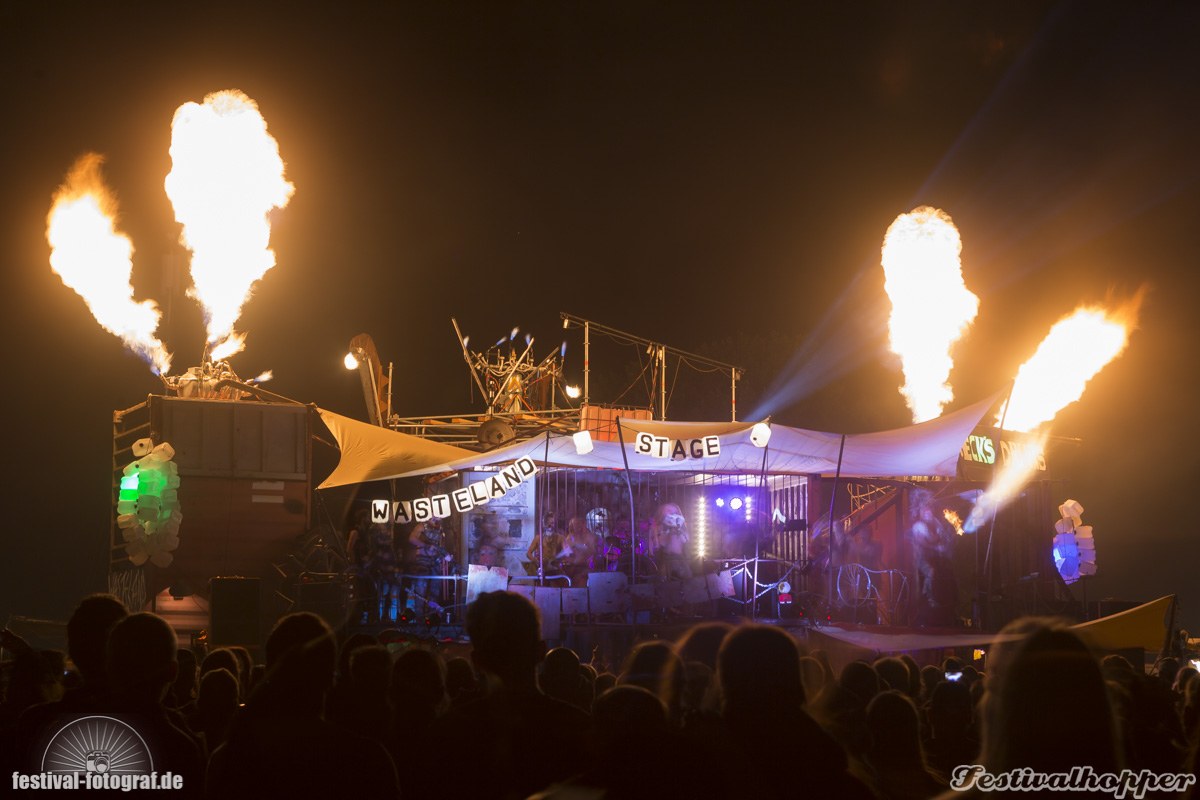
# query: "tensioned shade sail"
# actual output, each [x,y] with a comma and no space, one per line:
[372,453]
[928,449]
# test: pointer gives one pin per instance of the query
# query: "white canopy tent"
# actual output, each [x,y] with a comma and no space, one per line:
[930,449]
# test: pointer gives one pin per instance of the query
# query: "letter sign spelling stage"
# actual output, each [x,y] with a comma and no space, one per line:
[678,449]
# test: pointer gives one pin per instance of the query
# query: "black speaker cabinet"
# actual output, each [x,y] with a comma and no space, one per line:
[235,611]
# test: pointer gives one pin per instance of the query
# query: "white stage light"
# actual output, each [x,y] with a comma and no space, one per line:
[735,503]
[583,442]
[760,434]
[573,392]
[350,361]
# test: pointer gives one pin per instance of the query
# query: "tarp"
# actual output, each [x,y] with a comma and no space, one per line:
[372,453]
[1142,627]
[929,449]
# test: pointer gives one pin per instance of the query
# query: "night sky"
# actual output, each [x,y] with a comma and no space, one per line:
[717,177]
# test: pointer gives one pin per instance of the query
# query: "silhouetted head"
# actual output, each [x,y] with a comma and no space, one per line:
[142,656]
[418,676]
[460,676]
[87,633]
[628,719]
[653,666]
[758,671]
[371,670]
[859,682]
[505,632]
[301,655]
[914,675]
[702,642]
[221,658]
[352,643]
[1047,705]
[895,729]
[218,693]
[893,673]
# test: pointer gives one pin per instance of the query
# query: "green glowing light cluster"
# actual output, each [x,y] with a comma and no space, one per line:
[148,504]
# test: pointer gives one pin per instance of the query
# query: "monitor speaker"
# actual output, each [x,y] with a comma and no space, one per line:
[235,611]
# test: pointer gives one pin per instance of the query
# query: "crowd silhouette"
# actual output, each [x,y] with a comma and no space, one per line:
[726,711]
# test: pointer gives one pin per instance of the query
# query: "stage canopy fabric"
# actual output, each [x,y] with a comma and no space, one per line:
[372,453]
[930,449]
[1144,627]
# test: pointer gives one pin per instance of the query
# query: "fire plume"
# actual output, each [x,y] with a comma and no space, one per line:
[226,177]
[96,261]
[1077,347]
[931,306]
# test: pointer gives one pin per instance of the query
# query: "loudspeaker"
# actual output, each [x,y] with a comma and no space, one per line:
[235,611]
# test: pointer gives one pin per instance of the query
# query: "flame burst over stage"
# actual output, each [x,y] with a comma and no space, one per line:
[931,306]
[96,261]
[226,177]
[1074,351]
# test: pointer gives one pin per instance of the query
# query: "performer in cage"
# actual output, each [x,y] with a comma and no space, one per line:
[544,556]
[668,542]
[579,548]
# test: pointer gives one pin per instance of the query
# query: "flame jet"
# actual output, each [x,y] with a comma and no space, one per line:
[226,177]
[931,306]
[96,261]
[1077,347]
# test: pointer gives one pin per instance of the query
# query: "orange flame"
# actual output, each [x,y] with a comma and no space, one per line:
[1077,347]
[226,177]
[955,521]
[931,306]
[96,261]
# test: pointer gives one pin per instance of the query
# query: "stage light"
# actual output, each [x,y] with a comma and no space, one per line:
[760,434]
[583,442]
[350,361]
[720,502]
[749,506]
[573,392]
[566,323]
[735,503]
[701,530]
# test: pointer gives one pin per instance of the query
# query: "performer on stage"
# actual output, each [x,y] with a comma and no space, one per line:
[429,557]
[384,569]
[668,542]
[545,551]
[578,549]
[931,543]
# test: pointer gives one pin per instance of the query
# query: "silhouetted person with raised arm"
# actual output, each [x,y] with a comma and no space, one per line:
[515,740]
[777,749]
[280,745]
